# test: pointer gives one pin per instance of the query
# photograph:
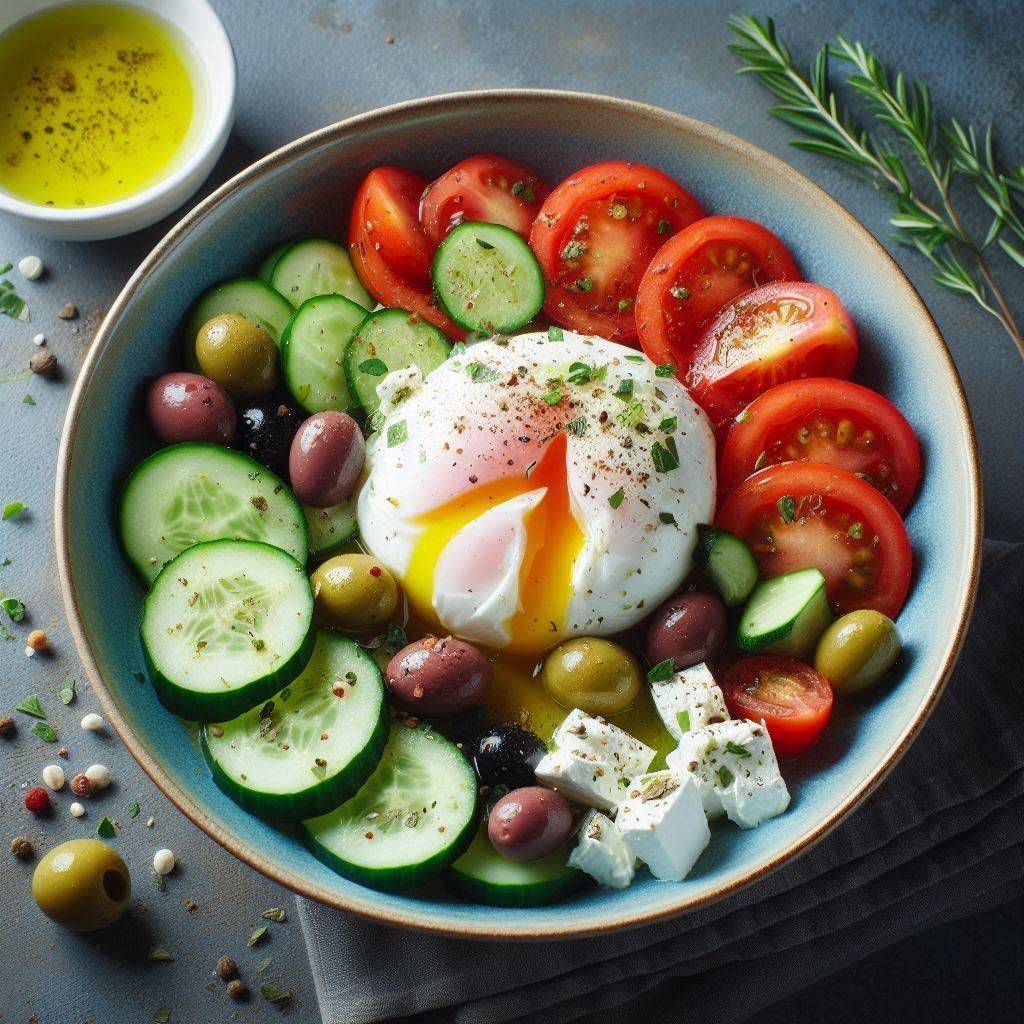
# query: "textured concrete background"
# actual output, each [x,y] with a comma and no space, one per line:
[301,65]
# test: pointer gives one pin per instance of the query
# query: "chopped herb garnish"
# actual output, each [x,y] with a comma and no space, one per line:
[273,994]
[67,693]
[574,250]
[12,304]
[635,359]
[743,416]
[665,370]
[580,373]
[133,809]
[683,720]
[258,936]
[263,965]
[375,421]
[616,499]
[28,400]
[162,1016]
[735,748]
[624,389]
[374,367]
[32,706]
[12,509]
[725,776]
[787,508]
[45,732]
[158,952]
[667,518]
[398,433]
[679,292]
[483,244]
[5,265]
[624,304]
[577,426]
[856,531]
[481,372]
[664,460]
[664,227]
[14,608]
[458,349]
[554,396]
[662,671]
[267,710]
[668,425]
[275,914]
[106,830]
[394,639]
[618,211]
[160,881]
[556,334]
[584,284]
[632,414]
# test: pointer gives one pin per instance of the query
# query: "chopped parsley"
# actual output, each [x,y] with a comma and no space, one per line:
[554,396]
[584,284]
[276,914]
[580,373]
[45,732]
[574,250]
[618,211]
[577,426]
[662,671]
[683,719]
[272,994]
[556,334]
[398,433]
[458,349]
[107,831]
[725,776]
[616,499]
[856,531]
[374,367]
[787,508]
[67,693]
[635,359]
[479,372]
[394,639]
[664,227]
[664,459]
[668,425]
[524,191]
[28,400]
[14,608]
[665,370]
[133,809]
[32,706]
[483,244]
[735,748]
[679,292]
[258,936]
[625,388]
[632,415]
[668,519]
[12,509]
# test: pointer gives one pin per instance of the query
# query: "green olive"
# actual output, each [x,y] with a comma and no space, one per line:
[82,885]
[596,676]
[354,592]
[857,650]
[239,354]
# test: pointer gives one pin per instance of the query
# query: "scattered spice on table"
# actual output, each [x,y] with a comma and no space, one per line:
[226,968]
[44,362]
[160,953]
[258,936]
[22,847]
[275,914]
[8,727]
[69,311]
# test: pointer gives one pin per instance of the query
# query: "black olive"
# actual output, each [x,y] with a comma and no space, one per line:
[506,755]
[265,431]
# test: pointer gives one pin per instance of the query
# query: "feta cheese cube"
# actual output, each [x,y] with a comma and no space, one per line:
[592,762]
[663,823]
[602,852]
[689,700]
[736,771]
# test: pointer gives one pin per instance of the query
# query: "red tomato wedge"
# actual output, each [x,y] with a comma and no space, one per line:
[802,514]
[483,188]
[695,274]
[825,420]
[791,698]
[775,333]
[595,236]
[389,250]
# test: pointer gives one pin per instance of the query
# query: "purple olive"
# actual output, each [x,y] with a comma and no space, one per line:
[690,628]
[529,823]
[326,459]
[437,677]
[188,407]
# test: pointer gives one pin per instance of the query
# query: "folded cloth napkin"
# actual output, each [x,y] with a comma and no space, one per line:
[942,838]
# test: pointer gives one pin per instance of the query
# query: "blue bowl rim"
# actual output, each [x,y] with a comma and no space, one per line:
[428,919]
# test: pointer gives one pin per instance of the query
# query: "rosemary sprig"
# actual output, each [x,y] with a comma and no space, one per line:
[904,112]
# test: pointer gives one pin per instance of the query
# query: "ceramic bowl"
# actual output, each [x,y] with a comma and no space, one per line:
[306,188]
[212,61]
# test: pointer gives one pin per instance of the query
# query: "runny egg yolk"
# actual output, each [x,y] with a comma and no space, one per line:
[554,541]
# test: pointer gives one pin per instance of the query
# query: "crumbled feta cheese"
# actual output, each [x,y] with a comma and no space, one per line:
[592,762]
[736,771]
[689,700]
[397,386]
[602,852]
[663,823]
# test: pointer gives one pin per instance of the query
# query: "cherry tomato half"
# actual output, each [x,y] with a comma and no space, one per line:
[825,420]
[775,333]
[594,237]
[484,188]
[793,700]
[389,250]
[695,274]
[805,514]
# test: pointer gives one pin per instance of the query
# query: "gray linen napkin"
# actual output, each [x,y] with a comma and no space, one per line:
[942,838]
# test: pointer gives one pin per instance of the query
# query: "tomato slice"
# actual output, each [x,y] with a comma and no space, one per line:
[595,236]
[775,333]
[484,188]
[695,274]
[389,250]
[791,698]
[802,514]
[825,420]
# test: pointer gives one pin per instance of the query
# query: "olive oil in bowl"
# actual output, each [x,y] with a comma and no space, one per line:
[97,103]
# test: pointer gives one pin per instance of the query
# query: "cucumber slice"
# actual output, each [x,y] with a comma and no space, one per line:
[415,815]
[317,266]
[226,625]
[307,749]
[248,296]
[729,563]
[481,874]
[193,492]
[786,615]
[330,529]
[391,339]
[312,351]
[266,268]
[487,278]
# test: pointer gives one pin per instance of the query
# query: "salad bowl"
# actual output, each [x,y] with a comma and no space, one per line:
[306,188]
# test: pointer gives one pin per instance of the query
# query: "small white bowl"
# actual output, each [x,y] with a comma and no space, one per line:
[212,62]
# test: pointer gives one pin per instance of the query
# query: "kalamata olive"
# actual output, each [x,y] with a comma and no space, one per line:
[435,677]
[506,755]
[857,650]
[594,675]
[82,884]
[189,407]
[353,592]
[265,432]
[689,628]
[529,823]
[326,459]
[239,354]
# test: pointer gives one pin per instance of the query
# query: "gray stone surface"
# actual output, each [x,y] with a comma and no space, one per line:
[304,64]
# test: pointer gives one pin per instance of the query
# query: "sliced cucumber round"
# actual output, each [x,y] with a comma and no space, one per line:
[248,296]
[227,624]
[728,562]
[481,874]
[266,268]
[786,615]
[317,266]
[312,352]
[415,815]
[330,529]
[313,744]
[391,339]
[193,492]
[487,278]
